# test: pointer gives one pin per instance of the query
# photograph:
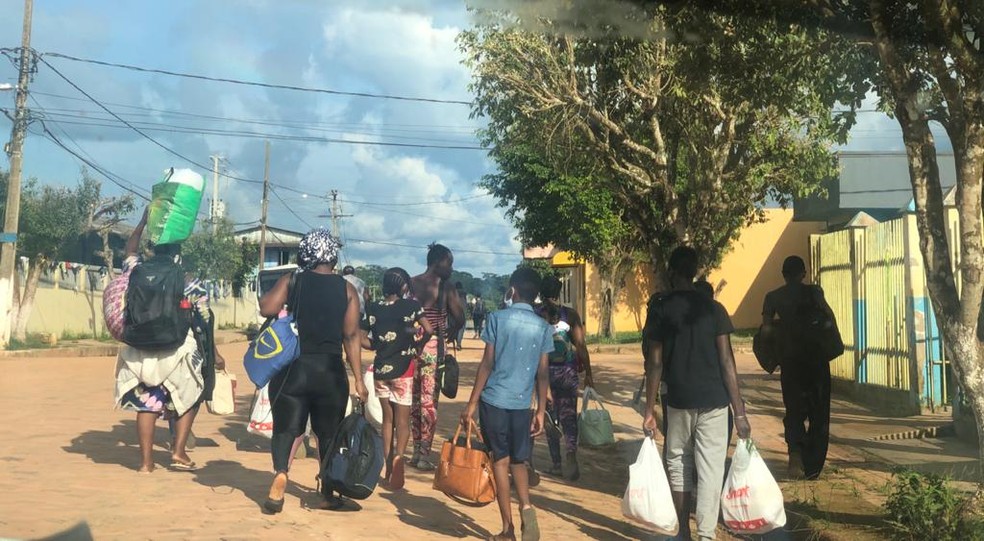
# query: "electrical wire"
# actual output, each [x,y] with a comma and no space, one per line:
[138,130]
[443,219]
[150,111]
[360,129]
[249,83]
[290,210]
[422,203]
[261,135]
[401,245]
[112,177]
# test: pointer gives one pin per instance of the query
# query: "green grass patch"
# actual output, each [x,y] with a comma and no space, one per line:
[628,337]
[927,506]
[31,341]
[67,336]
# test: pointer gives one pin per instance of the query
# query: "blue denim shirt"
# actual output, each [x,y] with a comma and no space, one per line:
[519,337]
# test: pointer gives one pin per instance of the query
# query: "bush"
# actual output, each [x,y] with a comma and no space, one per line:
[926,506]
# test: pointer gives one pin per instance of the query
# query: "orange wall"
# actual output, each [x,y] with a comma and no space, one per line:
[753,267]
[746,274]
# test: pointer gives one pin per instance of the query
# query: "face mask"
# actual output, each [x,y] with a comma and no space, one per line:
[508,299]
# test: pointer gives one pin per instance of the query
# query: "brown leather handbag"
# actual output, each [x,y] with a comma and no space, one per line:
[465,474]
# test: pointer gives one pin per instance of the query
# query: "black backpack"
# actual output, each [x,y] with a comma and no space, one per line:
[817,332]
[157,314]
[448,371]
[353,465]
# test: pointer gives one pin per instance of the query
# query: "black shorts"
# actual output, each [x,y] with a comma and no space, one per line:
[506,432]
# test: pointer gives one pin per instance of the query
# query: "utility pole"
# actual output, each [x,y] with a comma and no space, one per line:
[335,213]
[214,214]
[8,248]
[263,215]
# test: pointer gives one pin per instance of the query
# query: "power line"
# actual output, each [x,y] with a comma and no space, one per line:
[289,209]
[260,135]
[251,83]
[465,129]
[418,215]
[422,203]
[114,178]
[401,245]
[323,127]
[95,167]
[134,128]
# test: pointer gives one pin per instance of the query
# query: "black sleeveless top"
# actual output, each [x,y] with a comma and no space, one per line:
[321,303]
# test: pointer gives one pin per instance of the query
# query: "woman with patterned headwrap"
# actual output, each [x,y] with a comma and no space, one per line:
[327,315]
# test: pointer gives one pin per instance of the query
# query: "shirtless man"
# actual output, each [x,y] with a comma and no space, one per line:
[427,289]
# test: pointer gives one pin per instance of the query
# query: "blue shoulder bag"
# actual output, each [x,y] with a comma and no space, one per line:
[276,345]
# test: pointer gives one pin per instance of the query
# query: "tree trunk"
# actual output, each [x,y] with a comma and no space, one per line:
[607,328]
[612,275]
[661,276]
[27,299]
[107,253]
[957,312]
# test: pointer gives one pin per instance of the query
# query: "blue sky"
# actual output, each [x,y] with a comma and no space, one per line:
[399,47]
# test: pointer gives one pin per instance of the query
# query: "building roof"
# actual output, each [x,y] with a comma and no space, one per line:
[880,180]
[275,236]
[876,183]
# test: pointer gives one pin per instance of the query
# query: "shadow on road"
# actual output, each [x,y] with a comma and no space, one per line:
[420,512]
[118,445]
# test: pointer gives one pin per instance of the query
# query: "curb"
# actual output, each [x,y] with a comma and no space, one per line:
[108,350]
[636,347]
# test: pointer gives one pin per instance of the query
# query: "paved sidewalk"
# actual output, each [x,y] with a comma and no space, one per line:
[68,456]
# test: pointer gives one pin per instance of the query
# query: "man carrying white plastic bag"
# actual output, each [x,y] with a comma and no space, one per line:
[647,499]
[689,334]
[752,501]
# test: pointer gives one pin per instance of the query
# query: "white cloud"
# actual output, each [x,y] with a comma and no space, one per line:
[398,47]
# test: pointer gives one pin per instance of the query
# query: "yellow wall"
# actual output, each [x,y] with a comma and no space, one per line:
[61,311]
[746,274]
[753,267]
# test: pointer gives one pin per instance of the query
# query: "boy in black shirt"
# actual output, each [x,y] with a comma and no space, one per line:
[690,334]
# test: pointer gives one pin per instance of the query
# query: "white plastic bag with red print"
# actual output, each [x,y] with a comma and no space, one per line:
[647,499]
[261,415]
[751,502]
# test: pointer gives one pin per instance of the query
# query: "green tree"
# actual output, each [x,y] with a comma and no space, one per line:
[493,288]
[932,70]
[691,136]
[249,253]
[219,256]
[552,202]
[51,220]
[372,275]
[928,67]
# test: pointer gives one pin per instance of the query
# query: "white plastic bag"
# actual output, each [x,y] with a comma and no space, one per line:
[261,416]
[373,409]
[223,400]
[594,425]
[752,501]
[647,499]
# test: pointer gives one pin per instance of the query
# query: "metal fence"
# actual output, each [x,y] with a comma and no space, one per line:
[874,280]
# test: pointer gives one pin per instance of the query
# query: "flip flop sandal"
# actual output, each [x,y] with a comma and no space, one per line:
[502,537]
[183,466]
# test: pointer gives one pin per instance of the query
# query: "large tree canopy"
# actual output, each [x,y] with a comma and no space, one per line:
[693,129]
